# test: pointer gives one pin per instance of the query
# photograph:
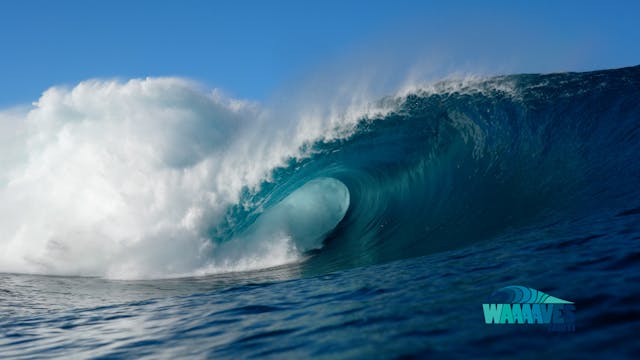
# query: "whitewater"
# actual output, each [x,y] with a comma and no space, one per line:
[126,179]
[157,218]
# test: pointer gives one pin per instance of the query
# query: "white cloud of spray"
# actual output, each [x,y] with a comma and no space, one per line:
[123,179]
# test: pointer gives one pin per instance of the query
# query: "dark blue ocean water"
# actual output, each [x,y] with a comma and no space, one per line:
[520,180]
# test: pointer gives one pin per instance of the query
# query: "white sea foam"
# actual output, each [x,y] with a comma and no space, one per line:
[123,179]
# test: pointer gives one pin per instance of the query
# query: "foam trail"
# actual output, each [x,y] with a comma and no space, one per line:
[126,179]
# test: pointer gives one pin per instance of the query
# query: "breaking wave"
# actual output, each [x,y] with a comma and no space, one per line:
[159,178]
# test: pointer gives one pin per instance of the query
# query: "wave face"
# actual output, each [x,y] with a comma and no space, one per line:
[153,178]
[463,162]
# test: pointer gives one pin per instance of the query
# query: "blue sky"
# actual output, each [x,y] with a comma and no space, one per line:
[252,48]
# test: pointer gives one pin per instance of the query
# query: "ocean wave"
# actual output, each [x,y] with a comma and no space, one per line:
[158,178]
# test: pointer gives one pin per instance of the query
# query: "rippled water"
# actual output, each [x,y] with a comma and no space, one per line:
[426,306]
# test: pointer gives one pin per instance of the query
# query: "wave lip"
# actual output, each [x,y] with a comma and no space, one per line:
[308,214]
[284,232]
